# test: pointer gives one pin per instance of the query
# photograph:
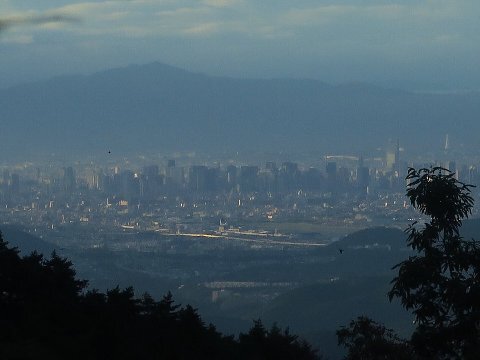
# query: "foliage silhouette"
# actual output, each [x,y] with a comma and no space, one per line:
[366,339]
[46,313]
[441,283]
[260,343]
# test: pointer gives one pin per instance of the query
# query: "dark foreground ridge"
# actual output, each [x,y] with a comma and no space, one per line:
[45,312]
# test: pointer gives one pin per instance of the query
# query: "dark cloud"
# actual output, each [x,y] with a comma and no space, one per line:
[35,20]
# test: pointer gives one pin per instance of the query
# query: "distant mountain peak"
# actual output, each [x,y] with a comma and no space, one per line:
[159,107]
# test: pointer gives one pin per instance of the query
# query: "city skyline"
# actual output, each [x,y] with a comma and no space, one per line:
[270,160]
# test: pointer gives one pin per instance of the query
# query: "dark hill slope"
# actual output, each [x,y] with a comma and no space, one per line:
[369,252]
[318,310]
[25,242]
[380,237]
[360,278]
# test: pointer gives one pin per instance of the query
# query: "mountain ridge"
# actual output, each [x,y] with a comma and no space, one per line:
[160,107]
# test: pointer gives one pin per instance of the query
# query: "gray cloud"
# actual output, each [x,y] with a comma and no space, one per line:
[11,21]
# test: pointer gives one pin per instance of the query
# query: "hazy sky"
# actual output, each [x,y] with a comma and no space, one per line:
[420,44]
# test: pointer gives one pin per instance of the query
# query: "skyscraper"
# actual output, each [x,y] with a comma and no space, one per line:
[69,180]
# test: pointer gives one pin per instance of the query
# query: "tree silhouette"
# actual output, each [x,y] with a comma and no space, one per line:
[46,313]
[262,344]
[367,340]
[441,284]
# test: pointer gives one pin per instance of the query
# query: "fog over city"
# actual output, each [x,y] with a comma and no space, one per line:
[249,158]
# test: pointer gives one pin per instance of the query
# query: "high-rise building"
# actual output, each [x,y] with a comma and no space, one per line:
[288,176]
[151,171]
[15,184]
[69,180]
[129,185]
[170,174]
[248,178]
[212,181]
[363,178]
[197,177]
[150,182]
[231,176]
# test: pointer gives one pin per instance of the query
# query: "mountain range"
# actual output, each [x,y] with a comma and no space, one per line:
[157,107]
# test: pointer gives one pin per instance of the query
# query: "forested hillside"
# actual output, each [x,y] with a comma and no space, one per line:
[45,312]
